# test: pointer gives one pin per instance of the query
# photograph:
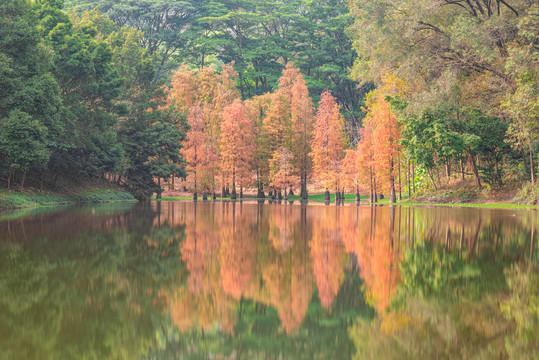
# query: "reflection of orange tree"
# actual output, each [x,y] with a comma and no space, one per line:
[203,302]
[282,222]
[237,253]
[288,284]
[370,234]
[226,261]
[327,254]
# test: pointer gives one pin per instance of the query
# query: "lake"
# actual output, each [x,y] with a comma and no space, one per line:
[184,280]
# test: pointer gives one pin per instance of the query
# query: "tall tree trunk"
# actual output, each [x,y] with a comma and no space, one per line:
[375,191]
[462,168]
[413,176]
[9,180]
[23,178]
[429,171]
[371,187]
[475,171]
[408,179]
[392,197]
[532,167]
[400,182]
[233,195]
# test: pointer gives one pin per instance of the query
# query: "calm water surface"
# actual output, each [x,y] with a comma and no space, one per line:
[184,280]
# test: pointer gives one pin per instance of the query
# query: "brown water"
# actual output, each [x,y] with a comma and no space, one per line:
[258,281]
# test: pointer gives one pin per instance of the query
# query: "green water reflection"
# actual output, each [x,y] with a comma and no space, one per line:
[249,281]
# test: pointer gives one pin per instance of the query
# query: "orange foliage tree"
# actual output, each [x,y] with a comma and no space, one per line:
[237,145]
[293,86]
[366,162]
[258,107]
[282,171]
[276,132]
[381,147]
[328,143]
[351,171]
[204,96]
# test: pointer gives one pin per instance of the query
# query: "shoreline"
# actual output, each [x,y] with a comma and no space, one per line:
[364,201]
[13,200]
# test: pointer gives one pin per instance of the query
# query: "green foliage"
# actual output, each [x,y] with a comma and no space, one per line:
[258,36]
[529,194]
[429,270]
[70,88]
[80,296]
[23,142]
[12,200]
[522,307]
[29,94]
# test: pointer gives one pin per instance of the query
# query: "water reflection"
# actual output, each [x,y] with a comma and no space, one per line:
[241,279]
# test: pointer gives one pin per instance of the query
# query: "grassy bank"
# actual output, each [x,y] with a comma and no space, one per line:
[16,200]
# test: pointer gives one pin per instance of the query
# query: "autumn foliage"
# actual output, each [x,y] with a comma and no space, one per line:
[276,142]
[328,143]
[379,149]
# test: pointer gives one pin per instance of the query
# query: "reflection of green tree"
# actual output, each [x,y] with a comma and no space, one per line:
[259,334]
[429,269]
[522,307]
[96,296]
[93,210]
[448,303]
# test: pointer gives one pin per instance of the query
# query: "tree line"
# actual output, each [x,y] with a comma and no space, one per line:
[363,96]
[463,80]
[279,141]
[78,99]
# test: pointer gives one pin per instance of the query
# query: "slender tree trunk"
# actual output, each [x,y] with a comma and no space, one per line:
[532,167]
[448,167]
[375,191]
[413,176]
[392,197]
[409,177]
[371,187]
[429,171]
[400,183]
[475,171]
[9,180]
[233,195]
[462,169]
[23,178]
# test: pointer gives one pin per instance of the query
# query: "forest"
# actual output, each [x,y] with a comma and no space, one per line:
[272,97]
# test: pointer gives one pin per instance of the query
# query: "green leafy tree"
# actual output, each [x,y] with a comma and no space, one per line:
[23,143]
[30,103]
